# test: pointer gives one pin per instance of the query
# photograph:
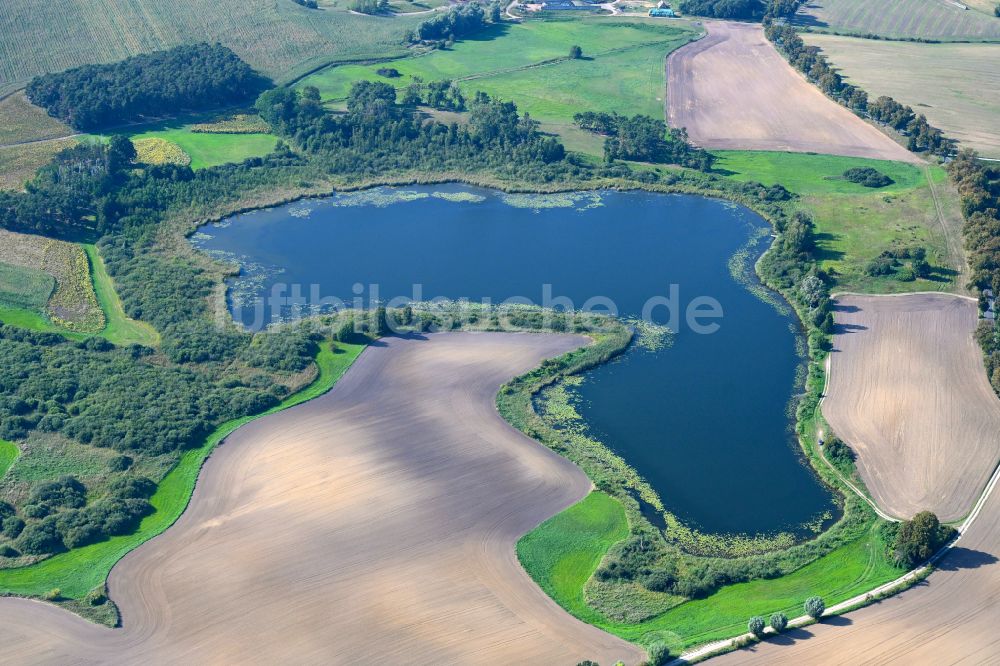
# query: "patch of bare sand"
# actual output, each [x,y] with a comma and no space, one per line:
[373,525]
[733,90]
[909,393]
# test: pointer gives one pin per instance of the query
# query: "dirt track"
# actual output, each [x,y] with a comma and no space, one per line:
[909,393]
[732,90]
[912,381]
[374,525]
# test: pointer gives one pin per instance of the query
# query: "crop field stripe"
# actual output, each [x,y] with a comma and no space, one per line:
[80,570]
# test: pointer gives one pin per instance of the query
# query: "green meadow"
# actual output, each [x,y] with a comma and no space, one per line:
[207,150]
[563,552]
[854,224]
[622,69]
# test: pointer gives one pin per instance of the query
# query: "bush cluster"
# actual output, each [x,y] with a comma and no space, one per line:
[188,77]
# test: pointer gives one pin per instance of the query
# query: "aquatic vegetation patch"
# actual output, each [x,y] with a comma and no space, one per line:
[577,200]
[459,197]
[380,197]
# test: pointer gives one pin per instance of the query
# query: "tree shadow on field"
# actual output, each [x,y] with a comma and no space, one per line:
[965,558]
[842,329]
[823,250]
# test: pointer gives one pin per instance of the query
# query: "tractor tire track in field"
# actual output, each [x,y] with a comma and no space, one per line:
[732,90]
[373,525]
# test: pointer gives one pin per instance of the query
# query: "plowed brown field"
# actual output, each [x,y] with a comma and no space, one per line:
[732,90]
[373,525]
[909,393]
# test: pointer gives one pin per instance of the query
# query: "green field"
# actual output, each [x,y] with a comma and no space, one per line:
[22,287]
[78,571]
[277,37]
[622,69]
[924,19]
[854,223]
[120,328]
[563,552]
[8,454]
[208,150]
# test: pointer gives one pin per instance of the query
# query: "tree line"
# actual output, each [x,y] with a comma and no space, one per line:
[643,139]
[921,136]
[184,78]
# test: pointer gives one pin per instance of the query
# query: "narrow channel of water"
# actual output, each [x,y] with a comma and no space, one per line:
[705,421]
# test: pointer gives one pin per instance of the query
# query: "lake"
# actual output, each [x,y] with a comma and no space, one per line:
[705,420]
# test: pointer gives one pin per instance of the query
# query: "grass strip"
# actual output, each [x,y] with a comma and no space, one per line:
[120,329]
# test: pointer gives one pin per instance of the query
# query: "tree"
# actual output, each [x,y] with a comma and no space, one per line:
[814,607]
[779,621]
[381,326]
[575,52]
[921,268]
[756,626]
[658,654]
[918,539]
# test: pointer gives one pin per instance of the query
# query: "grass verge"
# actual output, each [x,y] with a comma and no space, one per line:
[120,329]
[8,454]
[79,571]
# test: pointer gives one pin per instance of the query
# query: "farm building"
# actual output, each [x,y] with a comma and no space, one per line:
[662,12]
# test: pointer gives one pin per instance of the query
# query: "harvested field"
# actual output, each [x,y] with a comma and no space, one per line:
[375,524]
[950,618]
[23,121]
[901,19]
[954,85]
[909,393]
[73,303]
[278,38]
[19,163]
[732,90]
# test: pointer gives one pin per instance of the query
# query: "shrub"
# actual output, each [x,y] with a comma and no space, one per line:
[8,551]
[55,594]
[779,621]
[814,607]
[839,453]
[120,463]
[96,597]
[756,626]
[868,177]
[388,72]
[40,538]
[575,52]
[659,654]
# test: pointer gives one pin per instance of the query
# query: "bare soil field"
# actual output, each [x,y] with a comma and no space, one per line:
[954,85]
[909,393]
[950,618]
[373,525]
[732,90]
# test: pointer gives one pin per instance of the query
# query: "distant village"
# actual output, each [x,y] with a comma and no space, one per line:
[661,9]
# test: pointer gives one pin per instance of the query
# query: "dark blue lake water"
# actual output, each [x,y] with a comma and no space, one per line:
[705,421]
